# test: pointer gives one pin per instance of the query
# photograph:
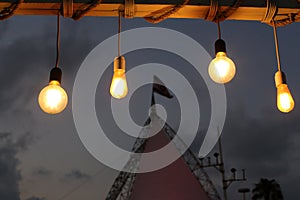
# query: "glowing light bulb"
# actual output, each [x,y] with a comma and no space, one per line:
[221,69]
[285,101]
[53,98]
[118,87]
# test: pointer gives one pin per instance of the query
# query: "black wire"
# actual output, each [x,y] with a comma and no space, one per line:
[57,40]
[276,45]
[219,28]
[80,185]
[119,31]
[84,182]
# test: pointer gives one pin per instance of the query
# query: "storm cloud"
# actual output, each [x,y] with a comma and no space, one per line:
[76,175]
[41,171]
[9,173]
[35,198]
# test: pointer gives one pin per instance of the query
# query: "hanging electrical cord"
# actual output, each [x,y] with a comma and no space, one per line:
[53,99]
[285,101]
[118,87]
[219,28]
[9,11]
[85,8]
[276,45]
[165,14]
[119,34]
[57,40]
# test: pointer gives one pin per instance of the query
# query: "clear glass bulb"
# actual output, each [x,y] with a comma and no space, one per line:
[221,69]
[53,99]
[285,101]
[118,87]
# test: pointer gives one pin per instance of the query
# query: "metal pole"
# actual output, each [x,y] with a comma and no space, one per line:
[244,191]
[222,170]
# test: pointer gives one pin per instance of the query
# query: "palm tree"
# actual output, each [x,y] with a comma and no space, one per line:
[267,190]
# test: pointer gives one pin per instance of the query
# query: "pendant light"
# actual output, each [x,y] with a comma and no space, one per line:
[285,101]
[53,98]
[221,69]
[118,87]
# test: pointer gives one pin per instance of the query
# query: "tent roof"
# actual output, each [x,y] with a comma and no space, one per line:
[175,181]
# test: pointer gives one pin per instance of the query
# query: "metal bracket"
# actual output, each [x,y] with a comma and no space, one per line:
[67,8]
[129,10]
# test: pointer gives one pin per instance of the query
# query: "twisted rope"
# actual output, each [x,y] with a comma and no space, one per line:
[165,14]
[10,10]
[85,8]
[221,16]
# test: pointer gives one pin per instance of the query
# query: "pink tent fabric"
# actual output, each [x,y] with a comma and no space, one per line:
[174,182]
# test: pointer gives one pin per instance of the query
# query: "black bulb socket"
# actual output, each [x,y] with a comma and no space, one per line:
[220,46]
[55,74]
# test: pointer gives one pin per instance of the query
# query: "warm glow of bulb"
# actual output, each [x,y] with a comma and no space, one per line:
[221,69]
[53,98]
[285,101]
[118,87]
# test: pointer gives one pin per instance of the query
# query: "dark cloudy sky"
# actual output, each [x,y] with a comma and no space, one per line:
[41,156]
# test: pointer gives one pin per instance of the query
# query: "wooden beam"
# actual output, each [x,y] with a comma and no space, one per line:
[253,13]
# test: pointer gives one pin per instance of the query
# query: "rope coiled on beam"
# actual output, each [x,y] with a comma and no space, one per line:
[221,16]
[10,10]
[166,13]
[80,12]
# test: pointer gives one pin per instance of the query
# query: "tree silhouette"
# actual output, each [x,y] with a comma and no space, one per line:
[267,190]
